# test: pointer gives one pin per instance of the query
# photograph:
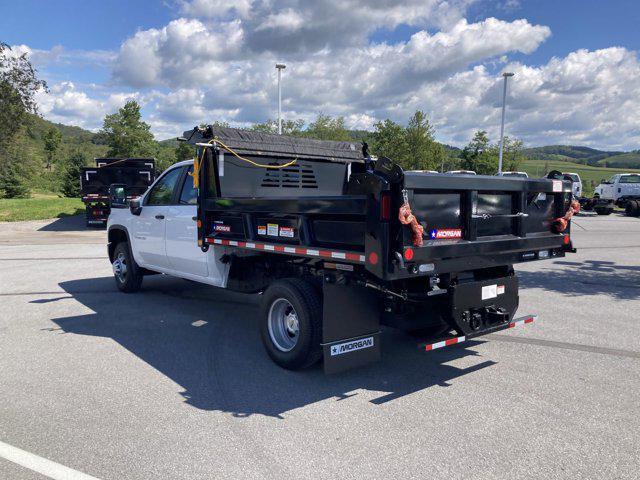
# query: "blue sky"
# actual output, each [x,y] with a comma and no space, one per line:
[204,60]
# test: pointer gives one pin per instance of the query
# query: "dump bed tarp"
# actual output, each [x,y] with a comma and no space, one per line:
[246,142]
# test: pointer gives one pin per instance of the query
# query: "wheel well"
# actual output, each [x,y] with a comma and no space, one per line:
[116,236]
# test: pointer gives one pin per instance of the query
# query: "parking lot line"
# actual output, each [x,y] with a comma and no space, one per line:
[40,465]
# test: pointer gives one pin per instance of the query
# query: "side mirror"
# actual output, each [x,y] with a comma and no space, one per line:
[117,196]
[135,205]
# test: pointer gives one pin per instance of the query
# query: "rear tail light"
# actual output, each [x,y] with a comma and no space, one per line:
[566,240]
[385,207]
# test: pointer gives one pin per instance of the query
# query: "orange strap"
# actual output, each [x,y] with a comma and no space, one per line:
[407,218]
[560,224]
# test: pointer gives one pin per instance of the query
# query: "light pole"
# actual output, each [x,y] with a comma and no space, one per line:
[504,101]
[280,67]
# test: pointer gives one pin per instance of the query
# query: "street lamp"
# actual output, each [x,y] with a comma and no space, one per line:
[504,101]
[280,67]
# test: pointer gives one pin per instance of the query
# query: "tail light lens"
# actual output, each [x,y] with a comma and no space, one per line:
[385,207]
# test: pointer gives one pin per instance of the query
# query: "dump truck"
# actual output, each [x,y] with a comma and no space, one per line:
[125,178]
[339,243]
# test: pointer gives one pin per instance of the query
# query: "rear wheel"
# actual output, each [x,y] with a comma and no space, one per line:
[604,210]
[291,327]
[632,209]
[126,271]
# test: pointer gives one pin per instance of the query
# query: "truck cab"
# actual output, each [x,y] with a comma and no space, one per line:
[577,183]
[160,228]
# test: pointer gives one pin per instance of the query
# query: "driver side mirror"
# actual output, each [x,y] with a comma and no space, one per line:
[135,205]
[117,196]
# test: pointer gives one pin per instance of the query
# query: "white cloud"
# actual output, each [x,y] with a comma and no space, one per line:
[68,104]
[217,63]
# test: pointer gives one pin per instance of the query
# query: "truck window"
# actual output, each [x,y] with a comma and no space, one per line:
[630,179]
[162,192]
[189,195]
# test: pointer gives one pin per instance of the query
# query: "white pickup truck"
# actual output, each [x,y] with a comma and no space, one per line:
[620,188]
[577,183]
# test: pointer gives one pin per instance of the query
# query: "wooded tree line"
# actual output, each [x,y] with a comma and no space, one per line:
[124,134]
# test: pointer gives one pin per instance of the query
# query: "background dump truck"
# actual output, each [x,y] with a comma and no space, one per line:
[113,177]
[338,243]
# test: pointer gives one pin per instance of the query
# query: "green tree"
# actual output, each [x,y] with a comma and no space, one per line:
[423,152]
[479,156]
[12,180]
[289,127]
[389,139]
[18,85]
[325,127]
[184,151]
[52,140]
[70,174]
[512,155]
[126,134]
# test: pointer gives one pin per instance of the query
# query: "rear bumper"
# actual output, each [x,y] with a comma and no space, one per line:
[446,342]
[448,256]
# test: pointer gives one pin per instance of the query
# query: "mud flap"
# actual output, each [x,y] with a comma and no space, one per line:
[351,324]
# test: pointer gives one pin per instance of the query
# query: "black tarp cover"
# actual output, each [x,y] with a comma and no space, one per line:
[246,142]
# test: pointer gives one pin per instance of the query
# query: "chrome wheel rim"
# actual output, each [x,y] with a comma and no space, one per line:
[283,325]
[120,267]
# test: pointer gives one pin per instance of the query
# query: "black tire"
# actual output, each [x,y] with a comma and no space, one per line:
[632,209]
[131,278]
[306,303]
[604,210]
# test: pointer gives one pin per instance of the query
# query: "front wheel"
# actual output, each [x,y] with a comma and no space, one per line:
[125,270]
[291,325]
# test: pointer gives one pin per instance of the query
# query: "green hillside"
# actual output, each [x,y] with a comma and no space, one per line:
[591,175]
[584,155]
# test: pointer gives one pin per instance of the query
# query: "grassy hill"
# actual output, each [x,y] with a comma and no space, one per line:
[585,156]
[591,175]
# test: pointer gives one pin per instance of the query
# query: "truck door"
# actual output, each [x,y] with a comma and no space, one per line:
[149,226]
[183,253]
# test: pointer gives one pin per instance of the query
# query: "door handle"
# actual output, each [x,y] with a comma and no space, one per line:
[160,217]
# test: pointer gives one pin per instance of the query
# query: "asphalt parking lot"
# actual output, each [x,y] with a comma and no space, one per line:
[173,383]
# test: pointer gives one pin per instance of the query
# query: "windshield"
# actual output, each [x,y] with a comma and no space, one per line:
[630,179]
[573,176]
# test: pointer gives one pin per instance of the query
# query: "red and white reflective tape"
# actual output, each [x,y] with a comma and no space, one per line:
[453,341]
[523,321]
[308,252]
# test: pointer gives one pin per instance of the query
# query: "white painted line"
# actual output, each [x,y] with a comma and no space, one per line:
[41,465]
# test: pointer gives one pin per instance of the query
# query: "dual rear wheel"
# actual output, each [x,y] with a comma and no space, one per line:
[291,323]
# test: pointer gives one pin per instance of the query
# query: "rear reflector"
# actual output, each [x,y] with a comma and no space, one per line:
[455,340]
[373,258]
[385,207]
[408,254]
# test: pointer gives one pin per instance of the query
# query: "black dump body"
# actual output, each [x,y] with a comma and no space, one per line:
[331,212]
[133,174]
[332,198]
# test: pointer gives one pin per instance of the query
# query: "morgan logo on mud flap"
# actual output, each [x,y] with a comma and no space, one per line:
[351,346]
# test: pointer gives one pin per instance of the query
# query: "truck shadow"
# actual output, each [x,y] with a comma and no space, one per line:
[591,277]
[71,223]
[207,341]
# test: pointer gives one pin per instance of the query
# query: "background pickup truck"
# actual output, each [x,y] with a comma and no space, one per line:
[620,188]
[338,243]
